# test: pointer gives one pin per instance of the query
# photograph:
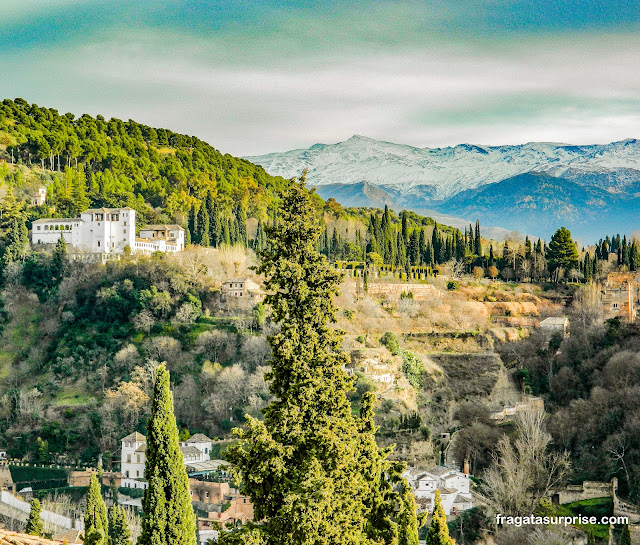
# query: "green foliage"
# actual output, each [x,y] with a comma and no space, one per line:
[562,251]
[438,533]
[119,533]
[413,368]
[16,244]
[168,516]
[470,525]
[123,163]
[625,537]
[95,516]
[312,469]
[452,285]
[34,525]
[390,340]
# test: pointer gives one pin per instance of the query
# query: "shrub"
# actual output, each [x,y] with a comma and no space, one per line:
[390,340]
[452,285]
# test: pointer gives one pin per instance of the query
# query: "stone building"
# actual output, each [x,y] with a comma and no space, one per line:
[242,289]
[621,296]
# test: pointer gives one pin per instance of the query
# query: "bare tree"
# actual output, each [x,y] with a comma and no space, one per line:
[525,470]
[587,304]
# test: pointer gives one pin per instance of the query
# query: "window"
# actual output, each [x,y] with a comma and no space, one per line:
[128,458]
[98,244]
[137,458]
[99,217]
[614,306]
[137,473]
[38,229]
[125,222]
[206,494]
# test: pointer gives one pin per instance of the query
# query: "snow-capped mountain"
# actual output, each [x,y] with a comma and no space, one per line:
[534,187]
[439,173]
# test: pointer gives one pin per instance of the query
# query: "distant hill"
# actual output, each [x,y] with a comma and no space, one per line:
[442,178]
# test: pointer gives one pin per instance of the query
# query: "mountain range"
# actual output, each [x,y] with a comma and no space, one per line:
[534,188]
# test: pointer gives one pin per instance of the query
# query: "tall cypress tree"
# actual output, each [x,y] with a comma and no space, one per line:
[438,533]
[34,525]
[95,516]
[119,533]
[203,225]
[168,515]
[312,469]
[625,538]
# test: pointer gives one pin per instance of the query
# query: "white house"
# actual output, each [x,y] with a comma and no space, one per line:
[108,231]
[454,487]
[168,238]
[132,456]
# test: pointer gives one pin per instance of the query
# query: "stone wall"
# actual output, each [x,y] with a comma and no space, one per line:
[421,292]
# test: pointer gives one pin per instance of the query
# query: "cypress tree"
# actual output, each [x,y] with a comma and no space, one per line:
[438,533]
[193,225]
[95,516]
[17,241]
[313,470]
[119,533]
[478,240]
[203,226]
[168,516]
[625,538]
[34,525]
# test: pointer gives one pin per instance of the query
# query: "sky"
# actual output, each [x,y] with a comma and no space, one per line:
[257,76]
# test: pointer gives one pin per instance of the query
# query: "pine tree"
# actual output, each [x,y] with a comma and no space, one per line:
[625,538]
[119,533]
[168,516]
[438,533]
[34,525]
[95,516]
[313,471]
[562,250]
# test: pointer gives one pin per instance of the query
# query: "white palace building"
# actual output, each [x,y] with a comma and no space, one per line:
[108,231]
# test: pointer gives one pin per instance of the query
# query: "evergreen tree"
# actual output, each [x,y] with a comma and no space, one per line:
[438,533]
[95,515]
[562,250]
[34,525]
[168,516]
[193,225]
[119,533]
[625,538]
[16,241]
[312,469]
[478,240]
[203,226]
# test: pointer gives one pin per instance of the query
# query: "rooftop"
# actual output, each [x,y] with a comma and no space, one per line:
[558,320]
[56,220]
[198,438]
[162,227]
[135,436]
[106,210]
[14,538]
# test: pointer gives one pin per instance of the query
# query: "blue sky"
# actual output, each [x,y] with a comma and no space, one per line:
[257,76]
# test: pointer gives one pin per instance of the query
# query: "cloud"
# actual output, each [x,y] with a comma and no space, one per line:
[255,77]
